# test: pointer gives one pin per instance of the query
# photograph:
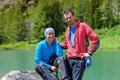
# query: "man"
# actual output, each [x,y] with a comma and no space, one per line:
[49,57]
[78,56]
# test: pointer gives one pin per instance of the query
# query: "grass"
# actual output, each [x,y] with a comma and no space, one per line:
[109,39]
[18,46]
[110,42]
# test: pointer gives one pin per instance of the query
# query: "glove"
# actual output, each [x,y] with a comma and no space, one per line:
[88,61]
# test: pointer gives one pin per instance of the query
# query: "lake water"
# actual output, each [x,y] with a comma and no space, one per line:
[16,60]
[105,63]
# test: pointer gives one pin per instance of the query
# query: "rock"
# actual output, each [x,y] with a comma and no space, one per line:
[22,75]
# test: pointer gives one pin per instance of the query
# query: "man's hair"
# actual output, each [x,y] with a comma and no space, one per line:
[69,11]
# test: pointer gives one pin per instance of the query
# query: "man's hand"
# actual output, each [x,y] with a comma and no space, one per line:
[84,55]
[53,68]
[56,39]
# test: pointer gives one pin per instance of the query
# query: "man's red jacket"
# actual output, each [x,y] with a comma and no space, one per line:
[81,41]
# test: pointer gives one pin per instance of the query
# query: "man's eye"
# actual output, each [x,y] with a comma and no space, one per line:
[68,18]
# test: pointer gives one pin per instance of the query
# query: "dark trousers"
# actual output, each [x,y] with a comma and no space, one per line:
[47,74]
[76,68]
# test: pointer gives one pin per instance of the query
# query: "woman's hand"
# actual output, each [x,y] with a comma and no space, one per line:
[53,68]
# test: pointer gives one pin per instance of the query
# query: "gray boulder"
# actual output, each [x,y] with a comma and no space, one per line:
[22,75]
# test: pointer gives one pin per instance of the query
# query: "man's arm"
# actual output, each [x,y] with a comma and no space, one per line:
[94,40]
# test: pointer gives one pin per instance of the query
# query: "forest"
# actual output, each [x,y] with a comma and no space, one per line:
[25,20]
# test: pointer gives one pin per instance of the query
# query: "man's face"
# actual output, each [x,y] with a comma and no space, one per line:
[50,37]
[69,18]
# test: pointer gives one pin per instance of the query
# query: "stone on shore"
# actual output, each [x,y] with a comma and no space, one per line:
[22,75]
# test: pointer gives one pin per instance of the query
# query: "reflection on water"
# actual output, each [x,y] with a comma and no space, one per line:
[105,64]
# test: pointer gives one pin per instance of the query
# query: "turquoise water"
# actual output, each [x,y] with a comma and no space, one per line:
[105,64]
[16,60]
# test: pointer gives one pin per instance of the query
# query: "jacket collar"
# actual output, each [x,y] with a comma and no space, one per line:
[47,43]
[77,25]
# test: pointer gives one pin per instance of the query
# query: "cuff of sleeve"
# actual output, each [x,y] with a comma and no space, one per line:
[48,66]
[90,53]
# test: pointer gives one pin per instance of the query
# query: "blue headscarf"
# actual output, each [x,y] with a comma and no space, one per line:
[48,30]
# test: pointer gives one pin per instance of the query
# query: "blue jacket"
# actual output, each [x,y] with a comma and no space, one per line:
[44,52]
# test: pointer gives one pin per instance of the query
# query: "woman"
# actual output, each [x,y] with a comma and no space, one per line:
[49,57]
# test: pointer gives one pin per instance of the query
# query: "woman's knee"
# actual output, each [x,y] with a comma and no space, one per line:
[38,67]
[61,58]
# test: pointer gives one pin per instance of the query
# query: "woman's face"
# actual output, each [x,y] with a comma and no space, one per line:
[50,37]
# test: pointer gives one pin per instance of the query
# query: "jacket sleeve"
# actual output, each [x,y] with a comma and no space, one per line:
[94,40]
[64,44]
[59,51]
[38,56]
